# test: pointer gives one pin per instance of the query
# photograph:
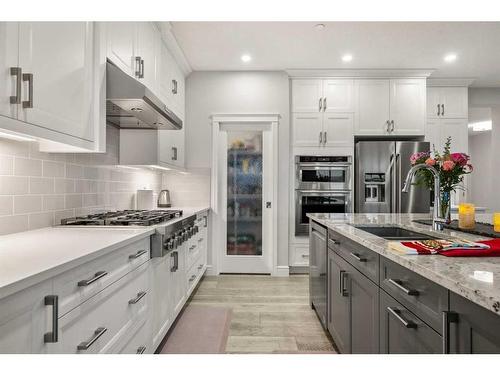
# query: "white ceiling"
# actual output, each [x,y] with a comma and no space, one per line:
[374,45]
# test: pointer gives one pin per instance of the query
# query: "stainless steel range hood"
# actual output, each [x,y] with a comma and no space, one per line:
[131,105]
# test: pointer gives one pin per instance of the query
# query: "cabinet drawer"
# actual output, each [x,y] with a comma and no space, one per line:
[300,256]
[139,342]
[424,298]
[193,250]
[81,283]
[363,259]
[194,274]
[97,325]
[401,332]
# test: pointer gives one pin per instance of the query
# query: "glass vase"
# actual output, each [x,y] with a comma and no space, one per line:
[445,202]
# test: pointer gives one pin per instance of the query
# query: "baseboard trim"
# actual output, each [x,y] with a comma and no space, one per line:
[210,271]
[281,271]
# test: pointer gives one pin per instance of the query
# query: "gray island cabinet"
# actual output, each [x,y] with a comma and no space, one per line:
[378,306]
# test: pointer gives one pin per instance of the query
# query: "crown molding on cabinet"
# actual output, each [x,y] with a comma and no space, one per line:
[247,117]
[450,82]
[173,46]
[359,73]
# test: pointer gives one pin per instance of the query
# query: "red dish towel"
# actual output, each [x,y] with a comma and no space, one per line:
[493,251]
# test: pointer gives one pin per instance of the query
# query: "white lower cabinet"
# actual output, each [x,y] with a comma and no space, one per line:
[139,342]
[97,325]
[299,256]
[24,320]
[161,286]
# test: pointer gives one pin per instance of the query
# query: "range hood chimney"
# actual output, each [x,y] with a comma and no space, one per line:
[131,105]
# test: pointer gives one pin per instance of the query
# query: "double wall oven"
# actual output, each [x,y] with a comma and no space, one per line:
[322,185]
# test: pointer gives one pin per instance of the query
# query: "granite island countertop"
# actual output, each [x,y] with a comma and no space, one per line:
[474,278]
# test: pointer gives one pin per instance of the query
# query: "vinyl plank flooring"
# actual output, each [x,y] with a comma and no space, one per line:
[269,314]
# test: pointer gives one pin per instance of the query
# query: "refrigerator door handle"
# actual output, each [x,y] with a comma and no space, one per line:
[391,184]
[398,187]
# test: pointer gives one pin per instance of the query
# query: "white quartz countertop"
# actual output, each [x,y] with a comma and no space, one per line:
[475,278]
[27,258]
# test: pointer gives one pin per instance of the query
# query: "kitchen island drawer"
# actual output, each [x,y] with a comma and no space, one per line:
[139,342]
[402,332]
[423,297]
[81,283]
[363,259]
[97,325]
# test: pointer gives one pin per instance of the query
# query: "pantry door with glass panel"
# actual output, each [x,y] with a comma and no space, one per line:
[248,195]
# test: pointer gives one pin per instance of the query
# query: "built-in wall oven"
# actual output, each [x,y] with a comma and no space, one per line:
[322,185]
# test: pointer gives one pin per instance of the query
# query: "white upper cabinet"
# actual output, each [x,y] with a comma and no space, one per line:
[9,63]
[307,129]
[121,46]
[148,54]
[318,95]
[307,95]
[407,106]
[171,82]
[447,102]
[338,130]
[57,63]
[389,106]
[372,106]
[338,95]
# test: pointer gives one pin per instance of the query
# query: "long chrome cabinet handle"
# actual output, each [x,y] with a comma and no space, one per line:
[85,345]
[174,153]
[442,109]
[324,104]
[141,74]
[53,301]
[18,73]
[137,72]
[140,296]
[387,126]
[395,312]
[320,138]
[97,276]
[392,126]
[448,317]
[320,105]
[324,138]
[439,109]
[398,284]
[343,290]
[200,266]
[138,254]
[28,77]
[141,350]
[357,257]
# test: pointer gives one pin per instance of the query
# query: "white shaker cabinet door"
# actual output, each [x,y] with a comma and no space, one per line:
[25,319]
[433,98]
[433,134]
[306,95]
[408,106]
[166,74]
[458,131]
[338,95]
[57,62]
[455,102]
[338,130]
[121,46]
[148,51]
[9,59]
[372,103]
[307,129]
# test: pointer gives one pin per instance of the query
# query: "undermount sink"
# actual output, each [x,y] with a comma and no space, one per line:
[393,233]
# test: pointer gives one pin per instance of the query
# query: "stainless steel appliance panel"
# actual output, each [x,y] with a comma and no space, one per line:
[417,200]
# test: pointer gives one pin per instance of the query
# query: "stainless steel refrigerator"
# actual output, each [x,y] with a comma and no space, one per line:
[380,171]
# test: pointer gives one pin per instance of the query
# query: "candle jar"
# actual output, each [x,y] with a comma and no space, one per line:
[496,221]
[466,216]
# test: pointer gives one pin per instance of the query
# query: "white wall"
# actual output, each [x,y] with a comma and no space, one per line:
[209,93]
[481,155]
[487,97]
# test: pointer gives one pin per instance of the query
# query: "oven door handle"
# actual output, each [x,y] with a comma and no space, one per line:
[324,165]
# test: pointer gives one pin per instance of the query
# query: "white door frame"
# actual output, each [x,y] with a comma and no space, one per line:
[218,201]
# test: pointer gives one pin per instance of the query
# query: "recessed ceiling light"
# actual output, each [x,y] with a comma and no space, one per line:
[246,58]
[450,57]
[319,26]
[347,57]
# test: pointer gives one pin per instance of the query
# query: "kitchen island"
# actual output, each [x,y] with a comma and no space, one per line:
[379,300]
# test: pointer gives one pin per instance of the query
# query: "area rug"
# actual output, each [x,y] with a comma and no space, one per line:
[199,330]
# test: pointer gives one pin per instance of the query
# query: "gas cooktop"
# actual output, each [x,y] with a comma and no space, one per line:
[126,217]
